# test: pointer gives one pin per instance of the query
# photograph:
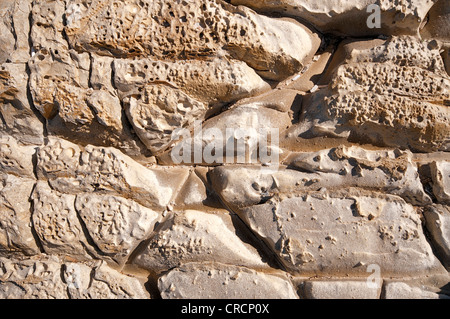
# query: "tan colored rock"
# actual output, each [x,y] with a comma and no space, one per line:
[17,117]
[107,171]
[14,32]
[56,223]
[371,97]
[331,169]
[101,282]
[116,225]
[16,232]
[194,236]
[397,17]
[216,81]
[194,192]
[440,174]
[244,134]
[323,233]
[401,290]
[16,159]
[50,278]
[340,290]
[31,279]
[190,30]
[161,110]
[437,219]
[438,25]
[216,281]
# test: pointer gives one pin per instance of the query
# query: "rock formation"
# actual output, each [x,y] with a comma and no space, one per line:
[224,149]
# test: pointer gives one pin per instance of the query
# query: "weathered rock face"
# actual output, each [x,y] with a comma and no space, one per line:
[49,278]
[339,233]
[218,281]
[194,236]
[396,17]
[377,93]
[224,149]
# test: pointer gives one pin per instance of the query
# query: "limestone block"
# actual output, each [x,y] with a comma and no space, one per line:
[380,90]
[340,290]
[107,171]
[16,235]
[116,225]
[437,219]
[217,281]
[194,236]
[57,225]
[390,171]
[397,17]
[440,174]
[194,29]
[341,232]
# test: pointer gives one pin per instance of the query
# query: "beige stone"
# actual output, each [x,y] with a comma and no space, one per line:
[437,219]
[379,90]
[340,290]
[397,17]
[16,232]
[400,290]
[194,236]
[440,174]
[107,171]
[116,225]
[340,233]
[56,223]
[189,30]
[51,278]
[332,169]
[217,281]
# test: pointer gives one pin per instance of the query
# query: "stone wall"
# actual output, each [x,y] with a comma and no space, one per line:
[348,198]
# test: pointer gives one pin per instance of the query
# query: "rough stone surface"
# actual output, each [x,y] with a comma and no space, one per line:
[400,290]
[340,290]
[440,173]
[397,17]
[377,91]
[338,233]
[194,236]
[49,279]
[218,281]
[438,224]
[115,224]
[224,149]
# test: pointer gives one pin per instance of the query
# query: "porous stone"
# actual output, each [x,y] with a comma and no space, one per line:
[401,290]
[107,171]
[390,171]
[16,232]
[116,225]
[194,29]
[215,81]
[396,17]
[437,219]
[51,278]
[56,223]
[194,236]
[371,96]
[340,290]
[339,232]
[217,281]
[17,117]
